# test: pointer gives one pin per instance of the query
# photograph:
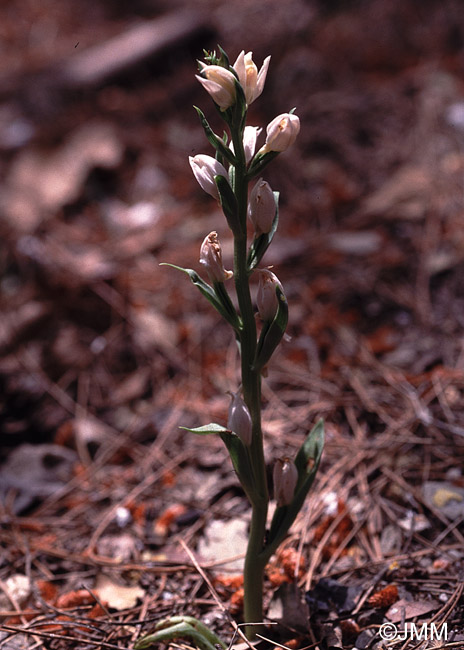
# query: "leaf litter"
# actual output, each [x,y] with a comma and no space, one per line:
[105,354]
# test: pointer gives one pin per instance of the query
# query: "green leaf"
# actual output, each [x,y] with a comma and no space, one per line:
[272,333]
[180,630]
[207,429]
[228,203]
[237,451]
[235,115]
[172,621]
[309,455]
[307,462]
[261,243]
[214,59]
[240,458]
[224,299]
[211,295]
[217,143]
[223,59]
[259,162]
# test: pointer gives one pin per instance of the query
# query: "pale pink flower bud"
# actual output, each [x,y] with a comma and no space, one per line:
[250,79]
[211,258]
[261,207]
[266,298]
[240,419]
[219,83]
[205,168]
[285,477]
[281,132]
[250,135]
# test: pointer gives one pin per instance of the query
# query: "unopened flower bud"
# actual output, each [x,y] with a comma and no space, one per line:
[219,83]
[266,298]
[250,135]
[205,168]
[211,258]
[251,80]
[285,477]
[281,132]
[240,419]
[261,207]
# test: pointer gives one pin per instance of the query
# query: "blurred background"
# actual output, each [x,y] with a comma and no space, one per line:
[96,126]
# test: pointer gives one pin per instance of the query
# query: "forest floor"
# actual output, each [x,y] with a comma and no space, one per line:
[112,517]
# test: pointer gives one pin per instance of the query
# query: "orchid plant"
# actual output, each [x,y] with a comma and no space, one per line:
[227,177]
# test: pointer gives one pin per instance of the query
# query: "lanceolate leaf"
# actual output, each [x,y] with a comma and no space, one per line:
[259,162]
[217,143]
[228,203]
[240,460]
[261,243]
[237,451]
[307,462]
[210,295]
[181,630]
[207,429]
[272,334]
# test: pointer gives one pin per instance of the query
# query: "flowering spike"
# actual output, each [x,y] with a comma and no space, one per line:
[211,258]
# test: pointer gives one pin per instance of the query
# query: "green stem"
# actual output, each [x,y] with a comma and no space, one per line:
[251,387]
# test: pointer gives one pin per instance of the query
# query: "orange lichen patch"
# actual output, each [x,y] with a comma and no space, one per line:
[440,564]
[288,565]
[294,644]
[75,501]
[31,525]
[138,512]
[276,576]
[167,518]
[350,630]
[383,339]
[228,581]
[51,627]
[65,434]
[292,562]
[47,590]
[236,601]
[80,470]
[96,611]
[168,478]
[225,584]
[44,541]
[384,598]
[343,528]
[75,598]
